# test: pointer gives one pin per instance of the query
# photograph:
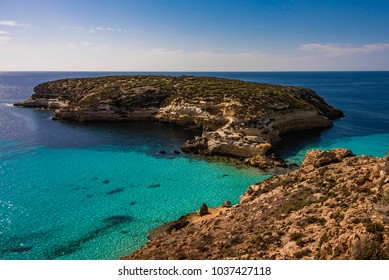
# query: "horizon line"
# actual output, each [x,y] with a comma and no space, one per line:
[189,71]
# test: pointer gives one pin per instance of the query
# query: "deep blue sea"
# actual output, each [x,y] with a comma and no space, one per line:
[93,191]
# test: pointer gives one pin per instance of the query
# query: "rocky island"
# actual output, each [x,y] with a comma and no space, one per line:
[237,118]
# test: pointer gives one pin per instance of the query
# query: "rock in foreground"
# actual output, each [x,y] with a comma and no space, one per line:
[237,118]
[336,206]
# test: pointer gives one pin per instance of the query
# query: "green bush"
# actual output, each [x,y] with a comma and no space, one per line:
[375,227]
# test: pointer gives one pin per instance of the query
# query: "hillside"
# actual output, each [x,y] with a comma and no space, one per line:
[335,206]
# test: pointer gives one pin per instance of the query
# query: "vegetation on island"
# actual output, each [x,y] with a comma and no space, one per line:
[253,99]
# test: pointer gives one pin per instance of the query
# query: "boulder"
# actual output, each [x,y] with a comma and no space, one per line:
[318,158]
[203,210]
[226,204]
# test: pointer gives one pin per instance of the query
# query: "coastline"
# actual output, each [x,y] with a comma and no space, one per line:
[309,213]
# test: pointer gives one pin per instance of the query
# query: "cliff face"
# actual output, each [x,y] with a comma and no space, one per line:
[335,206]
[237,118]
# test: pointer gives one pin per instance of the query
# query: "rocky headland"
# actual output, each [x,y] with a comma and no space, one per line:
[237,118]
[335,206]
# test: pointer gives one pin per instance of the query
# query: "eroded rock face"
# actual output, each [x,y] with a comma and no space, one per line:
[241,119]
[326,209]
[265,162]
[318,158]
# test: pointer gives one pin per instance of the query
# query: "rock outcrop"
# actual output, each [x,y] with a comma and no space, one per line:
[335,206]
[203,210]
[237,118]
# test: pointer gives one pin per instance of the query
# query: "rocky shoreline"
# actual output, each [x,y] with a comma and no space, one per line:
[238,119]
[335,206]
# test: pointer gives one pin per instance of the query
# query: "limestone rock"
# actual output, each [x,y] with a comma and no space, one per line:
[265,162]
[196,146]
[319,158]
[226,204]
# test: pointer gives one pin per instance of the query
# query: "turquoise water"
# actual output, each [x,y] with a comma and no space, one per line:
[98,203]
[92,191]
[372,145]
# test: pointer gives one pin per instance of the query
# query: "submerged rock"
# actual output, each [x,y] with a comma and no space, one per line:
[18,249]
[115,191]
[117,219]
[75,245]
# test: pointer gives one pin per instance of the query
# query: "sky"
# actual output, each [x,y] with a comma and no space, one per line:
[194,35]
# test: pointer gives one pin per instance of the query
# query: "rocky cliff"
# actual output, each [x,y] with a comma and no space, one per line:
[335,206]
[237,118]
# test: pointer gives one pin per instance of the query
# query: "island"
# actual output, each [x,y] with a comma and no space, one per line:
[238,119]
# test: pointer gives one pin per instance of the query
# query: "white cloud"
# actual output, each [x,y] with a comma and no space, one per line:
[8,23]
[74,27]
[94,46]
[12,23]
[77,46]
[4,37]
[109,29]
[334,50]
[91,30]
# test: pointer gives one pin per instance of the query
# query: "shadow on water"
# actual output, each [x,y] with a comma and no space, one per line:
[155,139]
[76,245]
[292,143]
[143,136]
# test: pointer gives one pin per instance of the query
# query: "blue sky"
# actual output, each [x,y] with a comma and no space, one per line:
[171,35]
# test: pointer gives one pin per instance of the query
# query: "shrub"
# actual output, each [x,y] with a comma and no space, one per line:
[315,220]
[375,227]
[302,253]
[337,252]
[371,251]
[296,235]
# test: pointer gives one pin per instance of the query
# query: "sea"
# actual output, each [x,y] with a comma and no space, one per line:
[93,190]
